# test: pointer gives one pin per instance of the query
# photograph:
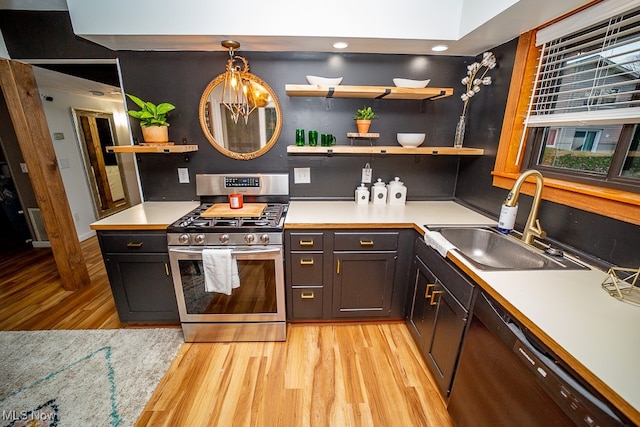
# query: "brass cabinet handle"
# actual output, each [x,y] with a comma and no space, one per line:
[306,261]
[366,242]
[307,295]
[433,295]
[338,268]
[134,244]
[166,269]
[429,287]
[306,242]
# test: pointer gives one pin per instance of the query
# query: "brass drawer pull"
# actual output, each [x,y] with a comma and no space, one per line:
[306,261]
[166,269]
[306,242]
[307,295]
[366,242]
[433,295]
[134,244]
[430,286]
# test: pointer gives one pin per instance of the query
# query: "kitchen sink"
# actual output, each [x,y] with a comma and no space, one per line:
[488,249]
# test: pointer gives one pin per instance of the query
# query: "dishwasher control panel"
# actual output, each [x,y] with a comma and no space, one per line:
[576,401]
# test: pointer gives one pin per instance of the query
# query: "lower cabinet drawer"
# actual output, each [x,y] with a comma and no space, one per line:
[365,241]
[119,242]
[307,303]
[306,268]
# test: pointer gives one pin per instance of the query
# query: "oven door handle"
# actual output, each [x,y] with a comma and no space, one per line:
[233,252]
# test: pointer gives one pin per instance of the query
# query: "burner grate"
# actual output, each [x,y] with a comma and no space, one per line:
[270,218]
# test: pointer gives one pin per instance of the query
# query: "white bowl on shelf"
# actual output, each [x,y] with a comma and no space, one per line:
[324,81]
[410,140]
[410,83]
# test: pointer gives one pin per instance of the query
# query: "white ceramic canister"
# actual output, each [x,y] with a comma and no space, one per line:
[379,193]
[397,192]
[362,195]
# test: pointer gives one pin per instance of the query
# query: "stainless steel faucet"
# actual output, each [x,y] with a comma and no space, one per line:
[532,228]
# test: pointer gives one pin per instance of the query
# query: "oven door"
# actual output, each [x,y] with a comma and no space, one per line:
[259,298]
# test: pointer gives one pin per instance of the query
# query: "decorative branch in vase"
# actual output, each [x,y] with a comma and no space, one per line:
[476,77]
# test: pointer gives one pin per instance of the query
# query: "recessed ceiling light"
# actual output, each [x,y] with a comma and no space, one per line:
[97,92]
[340,45]
[439,48]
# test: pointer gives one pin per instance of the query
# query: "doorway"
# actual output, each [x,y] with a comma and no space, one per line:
[105,175]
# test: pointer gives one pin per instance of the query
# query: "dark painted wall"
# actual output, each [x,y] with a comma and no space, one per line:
[180,77]
[605,238]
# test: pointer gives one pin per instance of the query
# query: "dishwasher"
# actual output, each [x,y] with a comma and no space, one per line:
[506,378]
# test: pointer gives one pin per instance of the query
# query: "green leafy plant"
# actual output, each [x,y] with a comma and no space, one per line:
[150,114]
[365,113]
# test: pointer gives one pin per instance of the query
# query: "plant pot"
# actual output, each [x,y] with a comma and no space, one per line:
[363,125]
[155,134]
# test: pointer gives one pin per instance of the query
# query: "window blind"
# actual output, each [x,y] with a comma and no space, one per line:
[591,76]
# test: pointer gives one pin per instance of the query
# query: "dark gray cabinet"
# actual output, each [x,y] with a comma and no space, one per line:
[305,274]
[139,272]
[422,313]
[438,312]
[339,274]
[363,280]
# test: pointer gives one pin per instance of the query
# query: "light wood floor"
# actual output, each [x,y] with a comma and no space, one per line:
[323,375]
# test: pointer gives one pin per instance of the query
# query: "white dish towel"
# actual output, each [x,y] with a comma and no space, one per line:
[438,242]
[220,271]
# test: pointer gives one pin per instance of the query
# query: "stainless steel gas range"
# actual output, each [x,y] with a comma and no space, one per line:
[227,265]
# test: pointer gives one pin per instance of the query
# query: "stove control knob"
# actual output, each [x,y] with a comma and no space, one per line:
[264,238]
[224,238]
[249,238]
[199,239]
[183,239]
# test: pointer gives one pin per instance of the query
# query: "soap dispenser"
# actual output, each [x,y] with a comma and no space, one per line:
[508,214]
[362,195]
[379,193]
[397,192]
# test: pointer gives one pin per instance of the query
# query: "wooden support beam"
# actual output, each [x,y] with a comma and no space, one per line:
[30,124]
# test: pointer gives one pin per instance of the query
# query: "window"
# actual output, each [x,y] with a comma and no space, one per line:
[583,122]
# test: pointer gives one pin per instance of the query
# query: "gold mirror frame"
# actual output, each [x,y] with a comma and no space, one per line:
[206,119]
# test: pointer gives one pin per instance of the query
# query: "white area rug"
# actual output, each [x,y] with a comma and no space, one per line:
[81,378]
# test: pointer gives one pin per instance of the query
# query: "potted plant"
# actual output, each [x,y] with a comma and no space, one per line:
[153,119]
[363,118]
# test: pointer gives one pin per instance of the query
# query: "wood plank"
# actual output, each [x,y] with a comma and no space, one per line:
[151,148]
[32,296]
[27,115]
[368,92]
[384,149]
[350,374]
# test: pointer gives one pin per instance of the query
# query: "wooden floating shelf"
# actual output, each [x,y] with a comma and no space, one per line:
[152,148]
[362,135]
[391,149]
[371,92]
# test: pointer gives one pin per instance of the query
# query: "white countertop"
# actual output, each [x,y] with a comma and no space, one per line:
[569,307]
[348,213]
[146,216]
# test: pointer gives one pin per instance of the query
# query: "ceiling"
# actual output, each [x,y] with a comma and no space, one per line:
[53,81]
[467,27]
[506,20]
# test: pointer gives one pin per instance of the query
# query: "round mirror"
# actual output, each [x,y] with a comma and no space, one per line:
[241,140]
